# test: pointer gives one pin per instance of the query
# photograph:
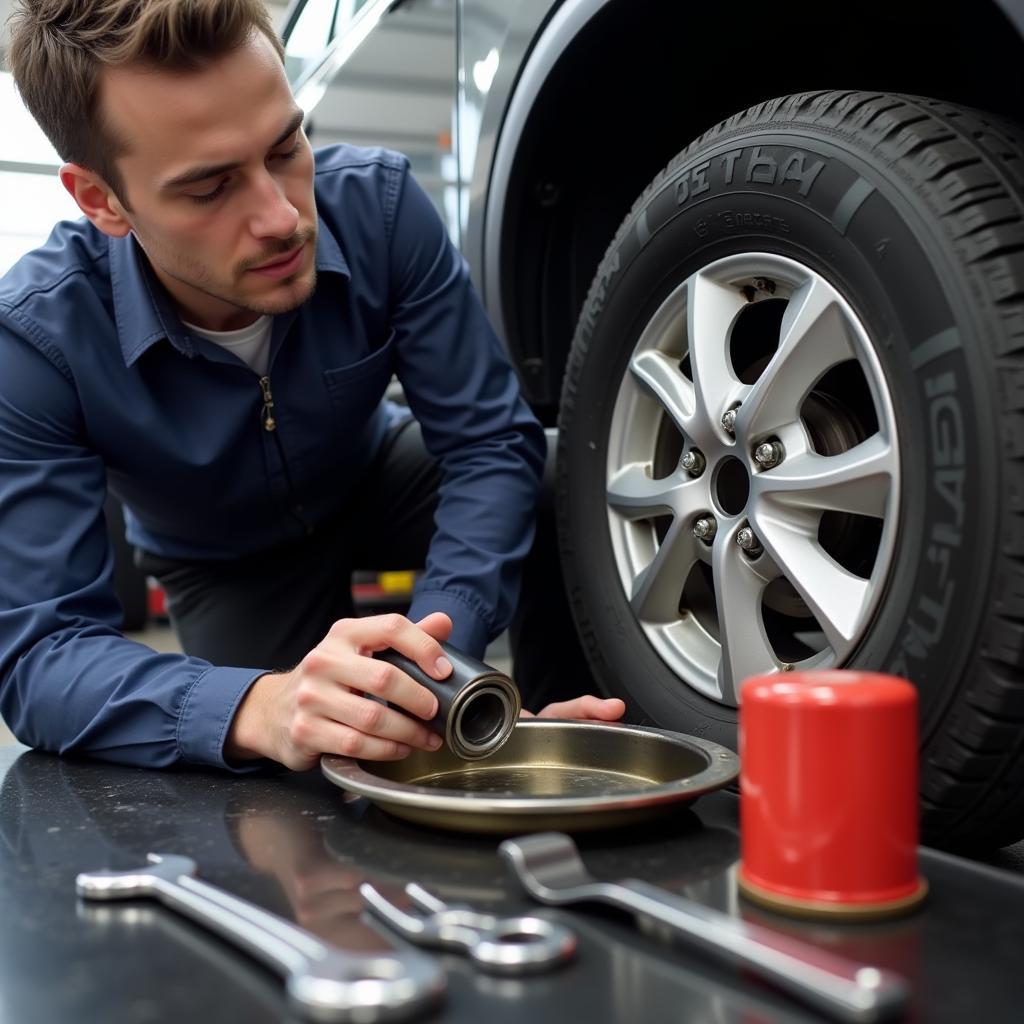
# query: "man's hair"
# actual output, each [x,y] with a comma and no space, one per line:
[59,47]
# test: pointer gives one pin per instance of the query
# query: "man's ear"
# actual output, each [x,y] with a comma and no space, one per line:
[95,199]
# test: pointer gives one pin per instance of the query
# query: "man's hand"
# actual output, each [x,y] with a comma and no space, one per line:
[320,708]
[586,708]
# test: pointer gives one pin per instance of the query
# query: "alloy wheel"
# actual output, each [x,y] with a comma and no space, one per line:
[753,475]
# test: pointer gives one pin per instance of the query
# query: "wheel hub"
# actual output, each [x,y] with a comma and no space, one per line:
[732,485]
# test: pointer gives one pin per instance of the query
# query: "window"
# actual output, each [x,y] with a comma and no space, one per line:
[32,198]
[309,35]
[317,24]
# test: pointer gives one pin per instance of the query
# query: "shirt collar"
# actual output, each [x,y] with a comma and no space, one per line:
[145,313]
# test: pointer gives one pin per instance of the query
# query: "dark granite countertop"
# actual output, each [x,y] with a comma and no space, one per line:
[292,844]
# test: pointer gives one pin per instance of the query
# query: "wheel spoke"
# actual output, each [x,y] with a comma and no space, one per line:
[745,647]
[635,495]
[857,481]
[835,597]
[661,377]
[656,590]
[812,339]
[711,309]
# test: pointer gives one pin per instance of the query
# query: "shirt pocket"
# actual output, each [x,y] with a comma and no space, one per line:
[356,390]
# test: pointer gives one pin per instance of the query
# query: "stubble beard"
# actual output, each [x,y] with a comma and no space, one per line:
[198,277]
[285,304]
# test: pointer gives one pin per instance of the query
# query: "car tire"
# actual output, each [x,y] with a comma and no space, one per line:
[843,273]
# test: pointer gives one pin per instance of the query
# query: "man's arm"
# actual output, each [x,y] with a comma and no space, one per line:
[69,681]
[465,394]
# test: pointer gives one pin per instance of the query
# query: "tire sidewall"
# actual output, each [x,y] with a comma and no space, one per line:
[783,192]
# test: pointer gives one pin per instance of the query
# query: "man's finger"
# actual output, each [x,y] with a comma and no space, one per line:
[335,738]
[385,681]
[327,695]
[437,624]
[372,718]
[334,668]
[378,632]
[608,709]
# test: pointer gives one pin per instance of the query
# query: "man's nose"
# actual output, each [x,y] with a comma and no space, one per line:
[273,214]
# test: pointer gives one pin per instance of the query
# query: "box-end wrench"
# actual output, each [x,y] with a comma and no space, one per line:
[323,982]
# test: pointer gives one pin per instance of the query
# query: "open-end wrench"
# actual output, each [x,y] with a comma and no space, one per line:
[323,982]
[550,868]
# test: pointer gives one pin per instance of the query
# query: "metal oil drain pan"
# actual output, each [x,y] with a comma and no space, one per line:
[555,774]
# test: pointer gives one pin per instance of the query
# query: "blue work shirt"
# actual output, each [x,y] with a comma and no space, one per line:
[102,386]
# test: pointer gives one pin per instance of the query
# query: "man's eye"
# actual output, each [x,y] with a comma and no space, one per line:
[290,154]
[208,197]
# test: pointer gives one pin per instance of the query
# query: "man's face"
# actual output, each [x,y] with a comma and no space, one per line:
[219,177]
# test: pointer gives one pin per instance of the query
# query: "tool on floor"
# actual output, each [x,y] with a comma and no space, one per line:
[549,867]
[323,982]
[502,945]
[828,794]
[477,706]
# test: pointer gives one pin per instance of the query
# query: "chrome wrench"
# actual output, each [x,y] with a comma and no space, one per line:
[323,982]
[502,945]
[549,867]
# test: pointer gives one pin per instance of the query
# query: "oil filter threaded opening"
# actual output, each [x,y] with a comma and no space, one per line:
[485,714]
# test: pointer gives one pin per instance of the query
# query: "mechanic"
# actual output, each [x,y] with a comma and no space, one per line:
[214,342]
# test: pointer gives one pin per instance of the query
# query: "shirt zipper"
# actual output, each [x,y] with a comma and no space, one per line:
[269,423]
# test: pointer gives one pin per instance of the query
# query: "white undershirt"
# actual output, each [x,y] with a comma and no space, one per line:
[251,344]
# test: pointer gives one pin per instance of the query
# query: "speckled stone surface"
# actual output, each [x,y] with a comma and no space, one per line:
[292,844]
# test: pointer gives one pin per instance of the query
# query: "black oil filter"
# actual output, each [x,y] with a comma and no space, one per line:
[477,706]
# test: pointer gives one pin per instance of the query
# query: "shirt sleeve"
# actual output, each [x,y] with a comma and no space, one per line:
[69,681]
[490,448]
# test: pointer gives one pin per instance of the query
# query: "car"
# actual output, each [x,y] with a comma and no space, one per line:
[763,267]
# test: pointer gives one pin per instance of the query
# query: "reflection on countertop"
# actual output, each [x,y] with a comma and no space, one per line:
[298,846]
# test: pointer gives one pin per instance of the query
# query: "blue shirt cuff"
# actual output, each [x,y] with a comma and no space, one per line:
[469,629]
[207,711]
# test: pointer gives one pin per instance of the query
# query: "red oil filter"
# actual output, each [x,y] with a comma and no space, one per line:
[828,794]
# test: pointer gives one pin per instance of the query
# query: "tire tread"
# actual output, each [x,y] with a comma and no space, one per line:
[968,167]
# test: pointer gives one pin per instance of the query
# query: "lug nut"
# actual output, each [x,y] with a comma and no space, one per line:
[729,421]
[705,529]
[769,454]
[693,462]
[748,542]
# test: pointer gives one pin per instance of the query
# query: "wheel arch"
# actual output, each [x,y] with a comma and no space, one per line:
[605,99]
